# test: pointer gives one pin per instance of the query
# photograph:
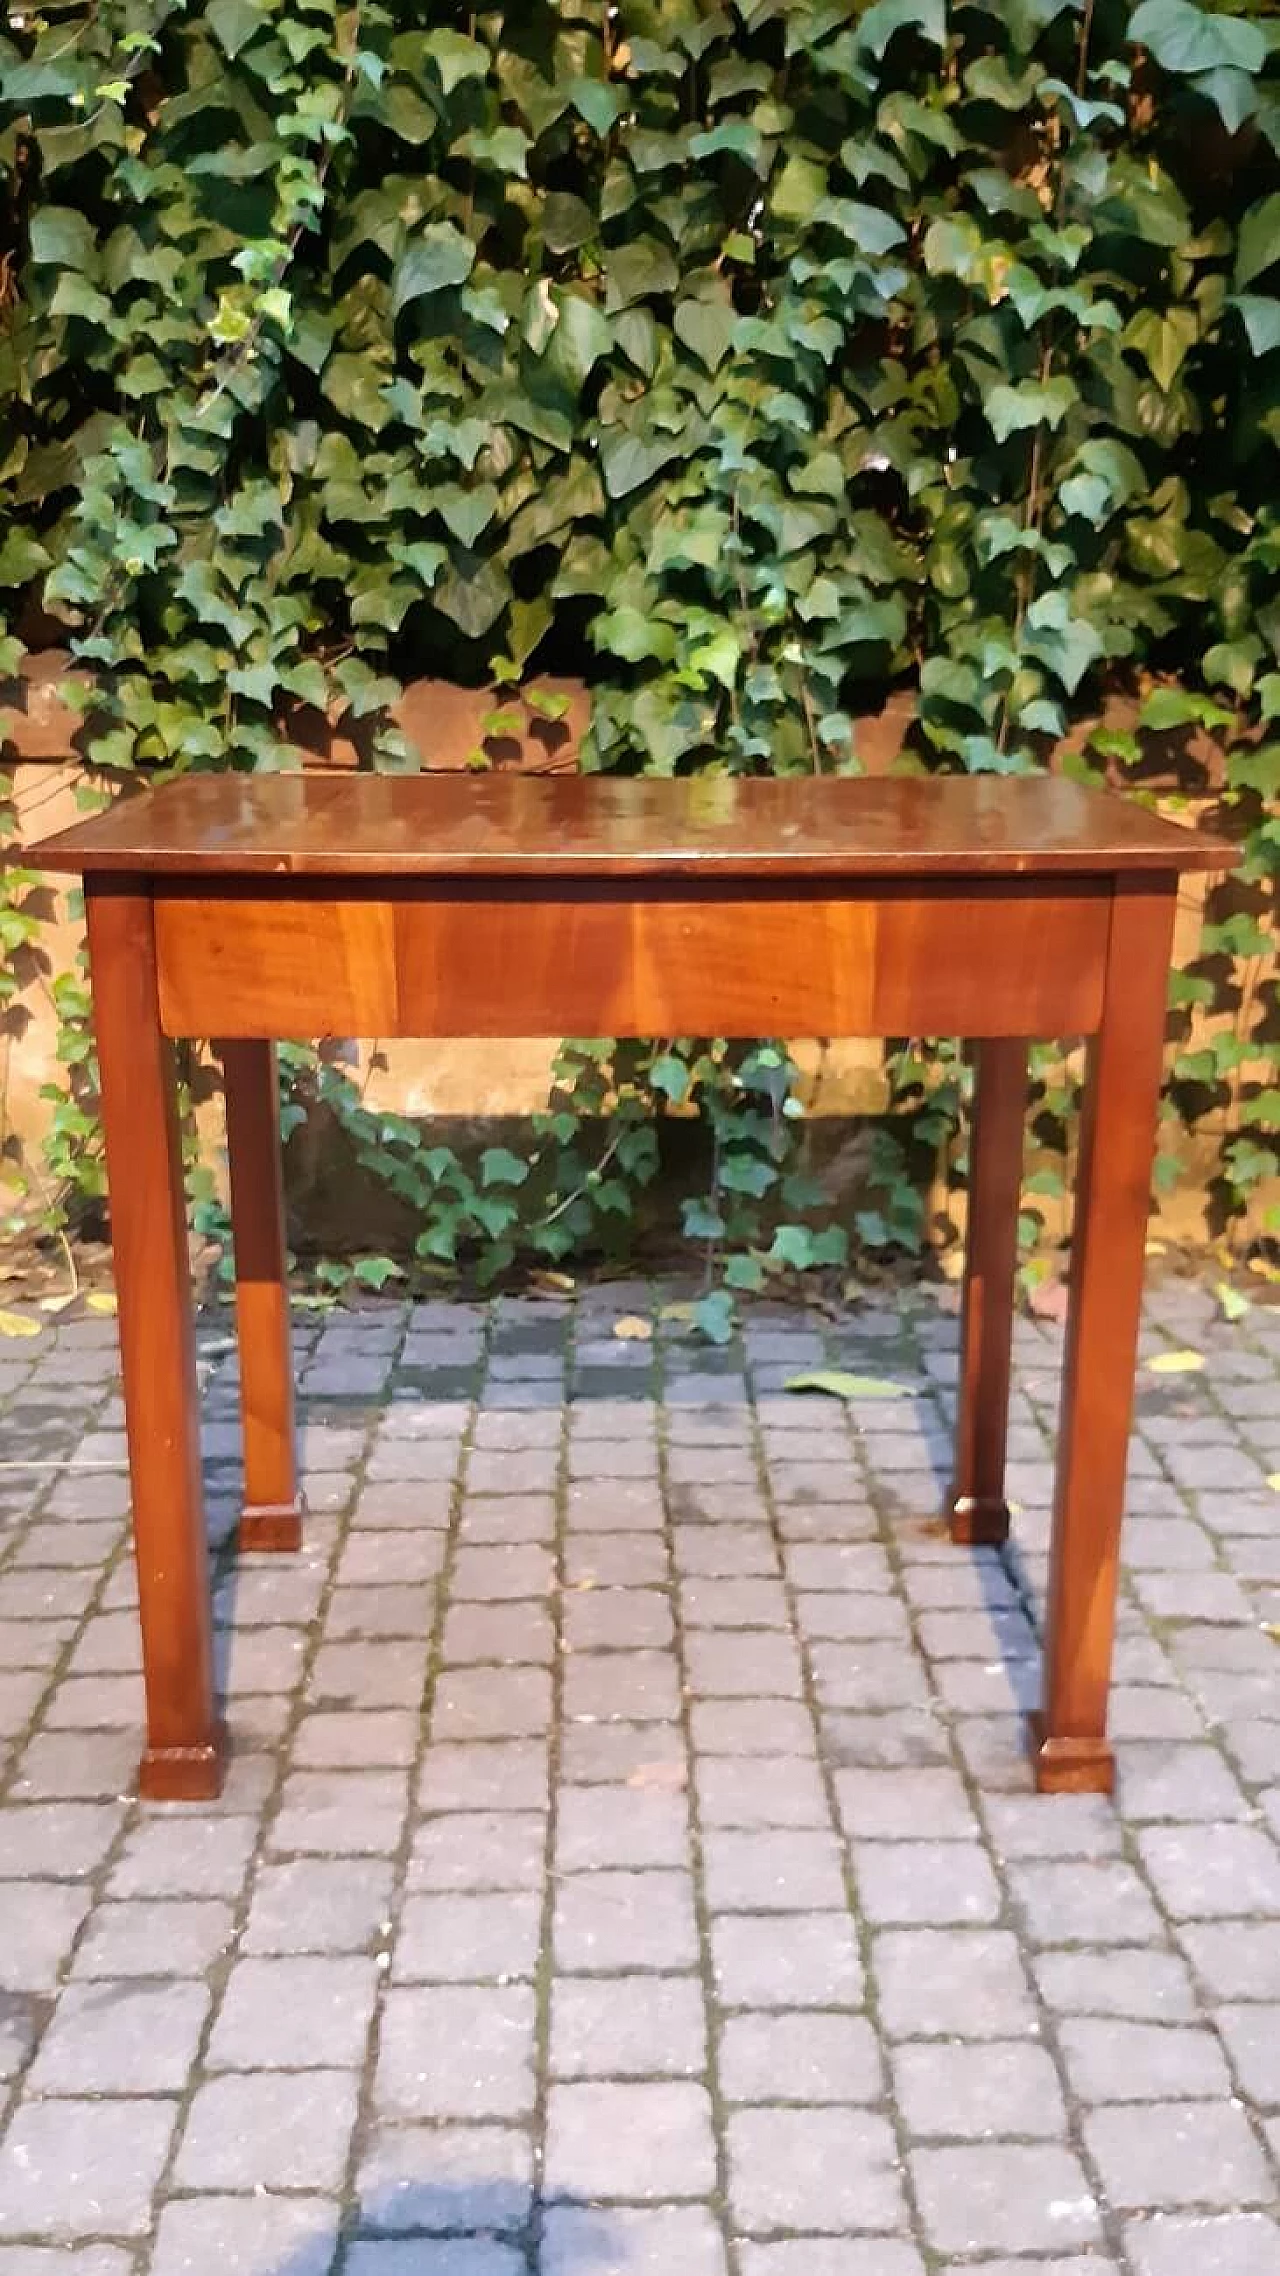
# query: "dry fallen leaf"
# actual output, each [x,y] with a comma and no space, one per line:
[666,1777]
[55,1303]
[1050,1301]
[837,1385]
[17,1324]
[1274,1481]
[101,1300]
[632,1329]
[1176,1363]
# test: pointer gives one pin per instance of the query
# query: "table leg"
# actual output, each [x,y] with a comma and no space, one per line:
[184,1756]
[271,1517]
[1113,1187]
[977,1507]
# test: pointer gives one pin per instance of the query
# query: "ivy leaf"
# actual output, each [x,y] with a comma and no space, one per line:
[1068,644]
[234,23]
[62,238]
[1260,315]
[713,1316]
[1031,403]
[456,57]
[567,221]
[474,598]
[706,328]
[927,18]
[1258,241]
[1183,38]
[670,1076]
[629,460]
[500,1167]
[439,258]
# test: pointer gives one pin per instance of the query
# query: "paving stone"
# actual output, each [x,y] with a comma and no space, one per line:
[1114,2061]
[184,1855]
[63,1840]
[652,2140]
[491,1703]
[770,1728]
[820,2169]
[1007,2088]
[83,2168]
[318,1904]
[456,2052]
[830,2256]
[245,2236]
[341,1812]
[641,1686]
[627,2026]
[114,2037]
[788,1960]
[500,1775]
[618,2241]
[276,2130]
[39,1921]
[467,1938]
[612,1921]
[772,1872]
[1252,2036]
[1177,2153]
[1205,1873]
[1231,2244]
[70,2260]
[1239,1960]
[939,1983]
[897,1804]
[920,1882]
[1004,2196]
[1153,1987]
[294,2014]
[429,2178]
[755,1793]
[454,2256]
[481,1849]
[620,1826]
[1072,1904]
[802,2058]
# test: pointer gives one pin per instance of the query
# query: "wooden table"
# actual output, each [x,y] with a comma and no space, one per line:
[995,909]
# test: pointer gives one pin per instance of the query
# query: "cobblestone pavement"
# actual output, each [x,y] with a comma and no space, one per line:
[628,1867]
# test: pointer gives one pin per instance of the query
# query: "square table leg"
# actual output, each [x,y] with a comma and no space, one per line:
[184,1755]
[977,1507]
[1113,1192]
[272,1512]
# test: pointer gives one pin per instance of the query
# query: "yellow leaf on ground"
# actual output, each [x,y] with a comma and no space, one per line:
[1274,1481]
[17,1324]
[1176,1363]
[632,1329]
[102,1300]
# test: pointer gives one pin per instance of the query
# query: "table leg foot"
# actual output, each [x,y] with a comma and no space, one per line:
[1070,1765]
[271,1525]
[978,1521]
[184,1774]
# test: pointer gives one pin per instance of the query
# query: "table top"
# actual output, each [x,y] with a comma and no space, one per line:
[484,826]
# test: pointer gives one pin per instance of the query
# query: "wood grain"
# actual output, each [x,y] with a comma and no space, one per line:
[978,1509]
[1015,959]
[183,1760]
[1113,1189]
[599,826]
[271,1516]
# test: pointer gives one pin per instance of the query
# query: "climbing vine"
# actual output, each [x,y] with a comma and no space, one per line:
[760,362]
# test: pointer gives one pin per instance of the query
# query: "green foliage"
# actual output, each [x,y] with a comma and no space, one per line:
[763,358]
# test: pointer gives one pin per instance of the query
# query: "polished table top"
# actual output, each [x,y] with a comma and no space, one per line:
[713,826]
